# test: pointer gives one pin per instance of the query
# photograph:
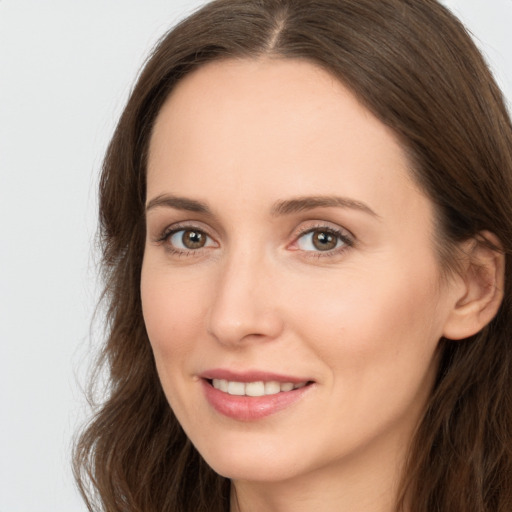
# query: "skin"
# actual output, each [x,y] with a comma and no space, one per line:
[362,320]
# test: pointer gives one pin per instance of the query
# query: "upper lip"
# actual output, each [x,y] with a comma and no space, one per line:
[250,376]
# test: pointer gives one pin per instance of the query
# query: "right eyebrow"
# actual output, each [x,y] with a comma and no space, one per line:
[178,203]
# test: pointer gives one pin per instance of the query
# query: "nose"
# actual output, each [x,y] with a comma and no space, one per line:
[244,307]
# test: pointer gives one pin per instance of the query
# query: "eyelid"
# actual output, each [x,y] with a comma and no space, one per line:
[169,229]
[164,236]
[316,225]
[341,233]
[172,235]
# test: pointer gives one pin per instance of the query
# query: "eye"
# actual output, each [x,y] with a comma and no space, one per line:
[189,239]
[322,240]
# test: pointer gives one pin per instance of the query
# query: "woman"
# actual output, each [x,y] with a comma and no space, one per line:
[307,228]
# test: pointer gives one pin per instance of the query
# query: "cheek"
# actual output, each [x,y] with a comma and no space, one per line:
[173,311]
[373,324]
[378,341]
[173,315]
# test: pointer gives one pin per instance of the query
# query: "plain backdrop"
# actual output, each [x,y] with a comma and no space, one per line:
[66,68]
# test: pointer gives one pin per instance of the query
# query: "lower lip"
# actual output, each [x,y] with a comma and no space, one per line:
[251,408]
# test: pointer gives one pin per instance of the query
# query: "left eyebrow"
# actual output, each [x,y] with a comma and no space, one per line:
[299,204]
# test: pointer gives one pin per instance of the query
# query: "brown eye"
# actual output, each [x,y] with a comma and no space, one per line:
[193,239]
[189,239]
[324,241]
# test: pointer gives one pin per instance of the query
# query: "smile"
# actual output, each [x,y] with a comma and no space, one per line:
[255,389]
[252,396]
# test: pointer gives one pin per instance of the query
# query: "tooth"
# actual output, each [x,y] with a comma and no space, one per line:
[236,388]
[286,386]
[255,389]
[220,384]
[272,388]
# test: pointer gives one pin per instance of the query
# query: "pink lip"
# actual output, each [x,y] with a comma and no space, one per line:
[246,408]
[250,376]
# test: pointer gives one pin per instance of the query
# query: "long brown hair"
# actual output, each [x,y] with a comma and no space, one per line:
[413,65]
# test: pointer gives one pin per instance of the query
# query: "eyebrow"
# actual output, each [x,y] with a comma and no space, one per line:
[301,204]
[178,203]
[284,207]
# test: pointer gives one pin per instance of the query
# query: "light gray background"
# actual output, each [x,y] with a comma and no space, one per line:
[66,67]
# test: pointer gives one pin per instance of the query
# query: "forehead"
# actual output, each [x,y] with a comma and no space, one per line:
[270,127]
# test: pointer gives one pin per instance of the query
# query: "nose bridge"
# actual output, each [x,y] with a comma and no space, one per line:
[242,307]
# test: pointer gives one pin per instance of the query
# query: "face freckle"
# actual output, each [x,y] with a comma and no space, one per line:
[254,157]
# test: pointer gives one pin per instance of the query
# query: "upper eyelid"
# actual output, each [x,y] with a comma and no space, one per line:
[328,226]
[342,233]
[183,226]
[173,232]
[159,220]
[164,237]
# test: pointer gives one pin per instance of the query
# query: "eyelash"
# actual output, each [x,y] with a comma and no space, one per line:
[171,231]
[341,235]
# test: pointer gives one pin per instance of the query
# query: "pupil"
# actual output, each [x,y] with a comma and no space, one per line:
[193,239]
[324,241]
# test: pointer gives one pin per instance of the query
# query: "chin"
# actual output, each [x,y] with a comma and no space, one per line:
[250,459]
[251,470]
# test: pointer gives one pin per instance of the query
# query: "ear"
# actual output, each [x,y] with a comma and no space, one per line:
[480,287]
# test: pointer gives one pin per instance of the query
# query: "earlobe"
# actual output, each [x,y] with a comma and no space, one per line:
[480,291]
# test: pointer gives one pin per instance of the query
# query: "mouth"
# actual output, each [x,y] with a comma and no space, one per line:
[256,388]
[253,396]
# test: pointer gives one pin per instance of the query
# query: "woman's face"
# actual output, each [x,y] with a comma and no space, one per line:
[290,286]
